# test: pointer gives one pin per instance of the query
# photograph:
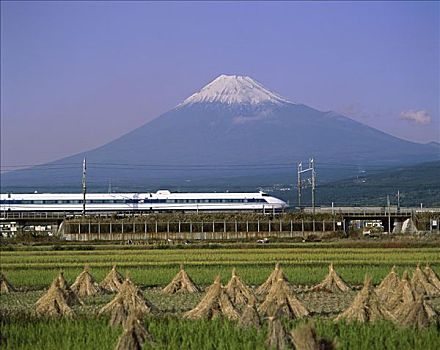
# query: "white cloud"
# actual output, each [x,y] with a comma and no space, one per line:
[417,117]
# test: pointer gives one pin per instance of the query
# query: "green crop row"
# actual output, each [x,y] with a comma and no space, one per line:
[36,269]
[253,274]
[239,255]
[174,333]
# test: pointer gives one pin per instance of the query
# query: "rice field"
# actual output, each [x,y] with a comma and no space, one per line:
[35,269]
[171,333]
[32,270]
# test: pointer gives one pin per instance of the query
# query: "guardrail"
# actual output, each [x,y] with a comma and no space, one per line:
[32,215]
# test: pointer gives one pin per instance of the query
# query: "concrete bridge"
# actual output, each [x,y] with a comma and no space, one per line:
[392,217]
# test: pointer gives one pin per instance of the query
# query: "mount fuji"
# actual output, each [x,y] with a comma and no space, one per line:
[233,126]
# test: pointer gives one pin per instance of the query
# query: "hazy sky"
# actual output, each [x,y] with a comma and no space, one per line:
[75,75]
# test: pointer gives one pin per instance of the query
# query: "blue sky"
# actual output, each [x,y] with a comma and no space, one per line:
[75,75]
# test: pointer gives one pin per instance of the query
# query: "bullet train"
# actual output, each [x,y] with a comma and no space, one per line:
[161,201]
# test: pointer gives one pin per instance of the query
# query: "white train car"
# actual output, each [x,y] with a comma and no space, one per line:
[160,201]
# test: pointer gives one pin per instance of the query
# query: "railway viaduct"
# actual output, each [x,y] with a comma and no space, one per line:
[392,218]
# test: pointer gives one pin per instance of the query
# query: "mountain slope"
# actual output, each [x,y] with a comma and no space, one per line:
[232,121]
[417,184]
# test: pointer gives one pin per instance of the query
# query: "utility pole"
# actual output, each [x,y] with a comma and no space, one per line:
[389,214]
[312,166]
[398,201]
[299,184]
[84,186]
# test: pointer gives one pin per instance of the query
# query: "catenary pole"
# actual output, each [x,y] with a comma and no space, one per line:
[84,186]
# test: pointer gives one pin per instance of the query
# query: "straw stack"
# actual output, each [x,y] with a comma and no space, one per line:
[250,317]
[418,313]
[276,274]
[403,294]
[112,282]
[389,285]
[238,292]
[215,303]
[281,297]
[432,276]
[57,301]
[85,285]
[129,300]
[277,337]
[366,306]
[5,286]
[135,335]
[304,337]
[181,283]
[332,283]
[422,285]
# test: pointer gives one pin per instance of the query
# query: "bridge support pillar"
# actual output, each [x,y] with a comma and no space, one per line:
[346,226]
[397,227]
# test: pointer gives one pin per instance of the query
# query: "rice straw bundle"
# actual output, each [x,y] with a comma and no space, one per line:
[366,306]
[135,335]
[277,337]
[432,276]
[215,303]
[85,285]
[250,317]
[181,283]
[112,282]
[416,313]
[422,285]
[332,283]
[404,293]
[127,301]
[388,286]
[304,337]
[281,297]
[276,274]
[57,301]
[237,291]
[5,286]
[61,283]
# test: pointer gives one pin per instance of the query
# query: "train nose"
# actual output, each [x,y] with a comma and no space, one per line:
[283,204]
[279,203]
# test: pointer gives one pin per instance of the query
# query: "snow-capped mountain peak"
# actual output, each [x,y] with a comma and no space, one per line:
[235,89]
